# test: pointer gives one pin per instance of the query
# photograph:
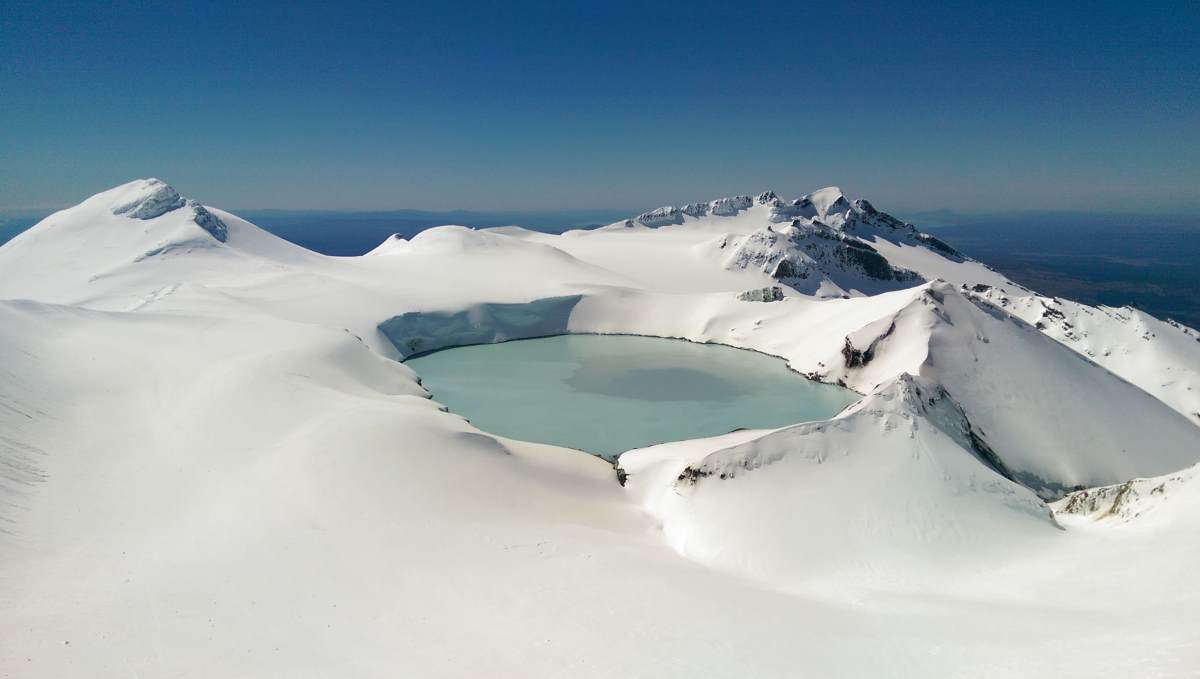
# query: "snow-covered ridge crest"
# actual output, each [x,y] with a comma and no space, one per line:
[1063,423]
[898,472]
[722,207]
[153,198]
[821,244]
[147,199]
[393,244]
[809,256]
[1134,500]
[828,206]
[901,403]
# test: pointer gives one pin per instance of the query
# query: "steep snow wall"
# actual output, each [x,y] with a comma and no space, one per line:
[418,332]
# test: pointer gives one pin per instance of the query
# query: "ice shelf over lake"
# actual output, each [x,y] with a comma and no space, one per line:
[609,394]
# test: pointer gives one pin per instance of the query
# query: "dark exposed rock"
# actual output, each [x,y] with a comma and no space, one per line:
[938,245]
[209,222]
[872,263]
[691,475]
[857,358]
[622,475]
[771,294]
[786,268]
[1051,312]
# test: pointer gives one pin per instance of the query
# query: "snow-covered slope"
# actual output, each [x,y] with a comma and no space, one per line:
[1158,356]
[907,449]
[1057,421]
[107,243]
[212,465]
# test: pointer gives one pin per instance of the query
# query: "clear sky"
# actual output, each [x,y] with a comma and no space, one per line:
[515,105]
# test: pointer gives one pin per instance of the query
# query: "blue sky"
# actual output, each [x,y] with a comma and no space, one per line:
[554,105]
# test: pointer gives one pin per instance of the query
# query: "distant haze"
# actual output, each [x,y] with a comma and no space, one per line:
[537,106]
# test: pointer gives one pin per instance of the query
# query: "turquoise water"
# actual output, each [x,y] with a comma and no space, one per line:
[606,394]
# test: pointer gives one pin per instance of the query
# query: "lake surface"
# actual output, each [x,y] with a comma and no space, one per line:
[606,394]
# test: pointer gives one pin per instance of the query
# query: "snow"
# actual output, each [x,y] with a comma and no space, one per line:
[827,200]
[823,484]
[147,199]
[212,464]
[1162,500]
[1161,357]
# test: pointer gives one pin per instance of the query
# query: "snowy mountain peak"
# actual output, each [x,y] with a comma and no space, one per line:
[814,258]
[728,207]
[828,199]
[147,199]
[722,207]
[829,205]
[863,206]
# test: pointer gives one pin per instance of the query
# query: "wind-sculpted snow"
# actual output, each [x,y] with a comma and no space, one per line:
[150,198]
[205,437]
